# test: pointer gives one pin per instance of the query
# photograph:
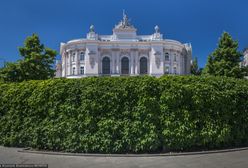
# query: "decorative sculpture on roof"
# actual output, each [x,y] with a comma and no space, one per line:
[125,20]
[157,30]
[92,28]
[157,35]
[124,23]
[92,34]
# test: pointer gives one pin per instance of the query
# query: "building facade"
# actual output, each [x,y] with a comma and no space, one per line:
[245,61]
[123,53]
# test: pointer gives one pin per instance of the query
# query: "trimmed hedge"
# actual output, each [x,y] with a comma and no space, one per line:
[125,114]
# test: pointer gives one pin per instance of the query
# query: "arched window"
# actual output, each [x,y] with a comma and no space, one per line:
[124,65]
[106,66]
[143,65]
[166,57]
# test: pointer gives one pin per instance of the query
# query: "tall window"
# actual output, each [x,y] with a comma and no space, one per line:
[125,66]
[166,57]
[73,57]
[175,70]
[175,58]
[81,70]
[82,56]
[73,70]
[167,70]
[143,65]
[106,66]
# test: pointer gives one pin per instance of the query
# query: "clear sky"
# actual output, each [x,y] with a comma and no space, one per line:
[200,22]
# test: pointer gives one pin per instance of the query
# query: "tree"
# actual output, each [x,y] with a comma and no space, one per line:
[245,70]
[225,60]
[37,62]
[209,69]
[195,68]
[10,72]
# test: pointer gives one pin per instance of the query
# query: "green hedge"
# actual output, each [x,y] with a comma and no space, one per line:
[125,114]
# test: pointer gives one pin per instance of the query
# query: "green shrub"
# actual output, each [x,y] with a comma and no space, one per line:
[125,114]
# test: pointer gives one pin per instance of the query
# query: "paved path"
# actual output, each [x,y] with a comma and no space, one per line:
[238,159]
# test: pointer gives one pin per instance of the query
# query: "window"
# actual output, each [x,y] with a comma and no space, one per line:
[106,66]
[73,57]
[175,58]
[73,70]
[175,70]
[124,66]
[82,70]
[143,65]
[167,70]
[166,57]
[82,56]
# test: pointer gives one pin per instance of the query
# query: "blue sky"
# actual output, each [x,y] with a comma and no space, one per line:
[200,22]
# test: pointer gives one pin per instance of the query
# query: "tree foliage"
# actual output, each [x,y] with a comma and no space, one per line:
[225,60]
[10,72]
[125,114]
[195,70]
[36,62]
[245,70]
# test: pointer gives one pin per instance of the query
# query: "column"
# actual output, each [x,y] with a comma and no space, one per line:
[136,58]
[134,63]
[113,62]
[183,65]
[99,58]
[77,63]
[131,61]
[65,63]
[180,63]
[118,62]
[69,63]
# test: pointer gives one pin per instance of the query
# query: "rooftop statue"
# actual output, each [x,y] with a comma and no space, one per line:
[124,23]
[157,30]
[92,28]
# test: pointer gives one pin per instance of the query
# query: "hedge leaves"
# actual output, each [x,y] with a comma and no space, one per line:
[125,114]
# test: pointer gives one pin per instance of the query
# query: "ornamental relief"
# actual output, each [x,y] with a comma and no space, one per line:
[157,53]
[92,55]
[173,51]
[143,52]
[125,52]
[92,61]
[157,61]
[104,53]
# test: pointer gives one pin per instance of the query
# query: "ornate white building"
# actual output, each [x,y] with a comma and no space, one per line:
[245,61]
[123,53]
